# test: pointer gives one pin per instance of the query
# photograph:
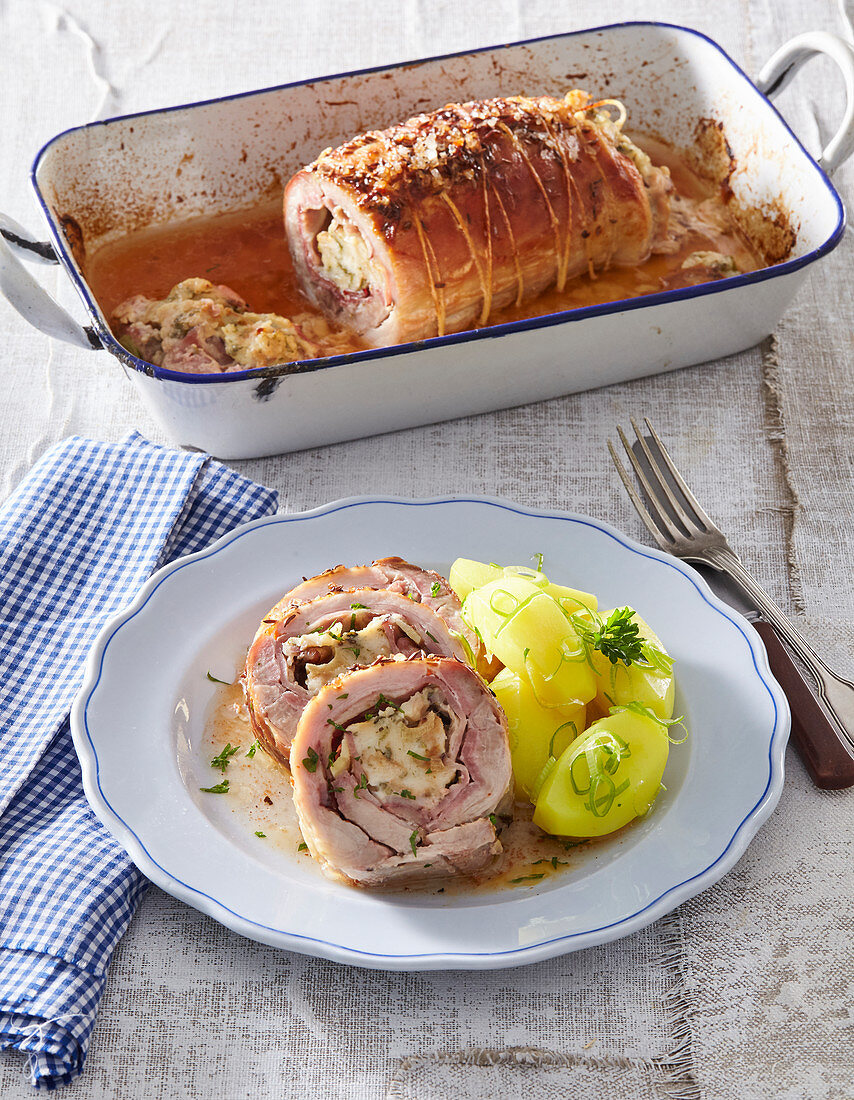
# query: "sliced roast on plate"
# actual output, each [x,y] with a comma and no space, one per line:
[401,772]
[293,657]
[420,585]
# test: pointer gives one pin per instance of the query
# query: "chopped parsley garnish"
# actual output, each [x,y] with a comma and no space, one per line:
[219,788]
[528,878]
[215,680]
[554,861]
[221,761]
[494,821]
[407,794]
[344,696]
[262,835]
[362,785]
[430,636]
[310,760]
[335,725]
[253,749]
[302,847]
[435,589]
[413,842]
[417,755]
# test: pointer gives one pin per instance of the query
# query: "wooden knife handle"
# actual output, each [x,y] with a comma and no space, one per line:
[826,758]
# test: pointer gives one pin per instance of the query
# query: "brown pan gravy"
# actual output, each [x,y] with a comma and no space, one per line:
[259,795]
[246,251]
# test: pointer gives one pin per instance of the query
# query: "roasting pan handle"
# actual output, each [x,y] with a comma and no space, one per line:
[783,66]
[29,297]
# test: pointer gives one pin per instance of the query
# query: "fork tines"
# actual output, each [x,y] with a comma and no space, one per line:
[668,509]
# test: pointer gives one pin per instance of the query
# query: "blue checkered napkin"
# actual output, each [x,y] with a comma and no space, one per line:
[77,540]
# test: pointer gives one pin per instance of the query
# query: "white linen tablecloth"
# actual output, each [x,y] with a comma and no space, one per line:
[744,993]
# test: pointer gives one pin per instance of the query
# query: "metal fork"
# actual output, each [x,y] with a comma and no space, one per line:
[823,721]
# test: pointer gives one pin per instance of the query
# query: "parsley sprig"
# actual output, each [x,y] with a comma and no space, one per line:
[617,637]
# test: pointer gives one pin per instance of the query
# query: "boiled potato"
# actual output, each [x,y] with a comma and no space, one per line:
[535,731]
[466,575]
[528,631]
[605,778]
[620,684]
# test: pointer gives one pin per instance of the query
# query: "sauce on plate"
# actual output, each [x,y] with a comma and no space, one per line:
[259,795]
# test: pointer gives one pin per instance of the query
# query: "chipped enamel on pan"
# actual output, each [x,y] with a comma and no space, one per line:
[98,182]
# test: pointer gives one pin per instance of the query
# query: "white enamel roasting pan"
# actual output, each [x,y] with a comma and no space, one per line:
[97,182]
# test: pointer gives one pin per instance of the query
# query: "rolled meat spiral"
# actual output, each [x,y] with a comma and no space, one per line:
[400,770]
[395,574]
[293,657]
[431,226]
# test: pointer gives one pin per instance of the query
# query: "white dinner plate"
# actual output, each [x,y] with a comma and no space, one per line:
[141,714]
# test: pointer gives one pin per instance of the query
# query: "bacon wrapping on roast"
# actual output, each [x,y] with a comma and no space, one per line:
[401,772]
[296,653]
[433,225]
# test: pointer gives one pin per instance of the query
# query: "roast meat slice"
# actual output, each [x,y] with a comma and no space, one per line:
[417,584]
[293,657]
[401,772]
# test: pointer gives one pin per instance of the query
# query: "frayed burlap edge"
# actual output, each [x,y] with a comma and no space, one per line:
[671,1076]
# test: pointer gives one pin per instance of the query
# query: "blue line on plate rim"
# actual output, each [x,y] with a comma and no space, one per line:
[226,540]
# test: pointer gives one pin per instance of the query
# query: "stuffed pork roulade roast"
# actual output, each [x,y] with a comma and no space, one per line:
[401,771]
[395,574]
[311,642]
[432,225]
